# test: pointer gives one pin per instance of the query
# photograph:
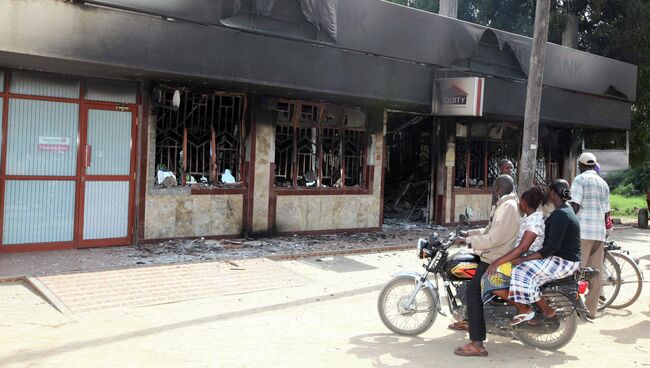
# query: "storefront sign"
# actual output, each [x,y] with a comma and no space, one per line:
[458,96]
[57,144]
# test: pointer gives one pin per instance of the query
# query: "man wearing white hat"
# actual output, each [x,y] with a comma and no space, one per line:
[590,202]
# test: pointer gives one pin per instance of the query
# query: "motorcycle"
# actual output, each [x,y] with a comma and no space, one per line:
[410,302]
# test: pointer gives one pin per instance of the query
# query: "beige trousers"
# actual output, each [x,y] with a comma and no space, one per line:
[593,253]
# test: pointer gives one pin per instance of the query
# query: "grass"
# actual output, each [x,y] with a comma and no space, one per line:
[626,206]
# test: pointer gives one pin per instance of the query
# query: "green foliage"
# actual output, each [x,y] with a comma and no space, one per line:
[629,182]
[616,29]
[516,16]
[625,190]
[428,5]
[622,206]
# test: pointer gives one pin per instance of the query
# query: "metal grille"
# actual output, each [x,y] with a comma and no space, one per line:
[306,156]
[461,164]
[283,155]
[200,117]
[498,151]
[353,157]
[331,143]
[311,151]
[477,151]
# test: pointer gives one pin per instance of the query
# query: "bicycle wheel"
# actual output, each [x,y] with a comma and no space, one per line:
[631,281]
[611,274]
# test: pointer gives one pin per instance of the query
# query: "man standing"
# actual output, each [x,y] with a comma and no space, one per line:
[590,202]
[489,243]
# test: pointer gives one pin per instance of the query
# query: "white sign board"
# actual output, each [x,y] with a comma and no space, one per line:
[458,96]
[57,144]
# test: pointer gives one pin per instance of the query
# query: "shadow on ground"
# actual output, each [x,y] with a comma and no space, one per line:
[389,350]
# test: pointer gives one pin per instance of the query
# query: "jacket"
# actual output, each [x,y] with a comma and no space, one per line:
[499,237]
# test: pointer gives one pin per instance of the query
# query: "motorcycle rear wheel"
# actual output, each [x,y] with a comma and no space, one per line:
[406,321]
[558,338]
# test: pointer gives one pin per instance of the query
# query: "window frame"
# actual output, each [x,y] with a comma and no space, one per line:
[215,188]
[294,123]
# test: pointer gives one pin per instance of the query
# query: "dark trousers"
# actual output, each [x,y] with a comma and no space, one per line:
[475,305]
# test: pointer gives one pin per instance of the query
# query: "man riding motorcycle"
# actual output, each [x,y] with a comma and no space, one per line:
[489,243]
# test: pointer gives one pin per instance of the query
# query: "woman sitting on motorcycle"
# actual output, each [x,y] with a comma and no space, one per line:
[496,280]
[559,257]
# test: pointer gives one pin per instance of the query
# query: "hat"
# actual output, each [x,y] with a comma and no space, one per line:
[587,159]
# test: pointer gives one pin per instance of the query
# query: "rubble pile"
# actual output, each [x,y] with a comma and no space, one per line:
[180,250]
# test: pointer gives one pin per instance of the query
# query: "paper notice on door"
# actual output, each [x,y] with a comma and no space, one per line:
[57,144]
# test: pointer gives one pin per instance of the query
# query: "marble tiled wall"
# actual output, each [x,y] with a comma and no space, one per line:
[481,205]
[171,216]
[264,151]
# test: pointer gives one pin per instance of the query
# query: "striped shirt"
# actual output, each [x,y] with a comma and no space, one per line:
[591,192]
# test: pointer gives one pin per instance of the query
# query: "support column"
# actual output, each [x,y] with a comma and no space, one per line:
[264,139]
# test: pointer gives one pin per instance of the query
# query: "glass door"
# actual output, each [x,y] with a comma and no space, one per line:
[107,176]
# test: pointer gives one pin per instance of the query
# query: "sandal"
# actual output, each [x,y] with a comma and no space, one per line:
[520,318]
[539,319]
[470,350]
[459,326]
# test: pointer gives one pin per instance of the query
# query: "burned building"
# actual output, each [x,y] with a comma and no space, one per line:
[129,121]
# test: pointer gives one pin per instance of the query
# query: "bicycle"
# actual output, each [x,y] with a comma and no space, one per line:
[622,279]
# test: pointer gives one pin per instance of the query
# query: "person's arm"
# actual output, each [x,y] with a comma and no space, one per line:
[577,192]
[503,228]
[526,241]
[475,232]
[606,205]
[558,225]
[529,257]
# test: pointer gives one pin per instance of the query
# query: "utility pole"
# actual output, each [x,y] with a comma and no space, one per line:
[449,8]
[528,161]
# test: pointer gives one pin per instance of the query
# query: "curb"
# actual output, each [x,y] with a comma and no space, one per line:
[37,287]
[41,290]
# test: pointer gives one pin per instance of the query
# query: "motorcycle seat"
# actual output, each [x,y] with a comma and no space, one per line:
[562,281]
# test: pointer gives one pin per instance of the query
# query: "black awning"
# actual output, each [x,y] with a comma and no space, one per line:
[386,29]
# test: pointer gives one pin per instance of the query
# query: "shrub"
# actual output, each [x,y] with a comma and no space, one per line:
[629,182]
[626,190]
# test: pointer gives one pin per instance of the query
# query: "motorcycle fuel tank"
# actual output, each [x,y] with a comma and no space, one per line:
[461,266]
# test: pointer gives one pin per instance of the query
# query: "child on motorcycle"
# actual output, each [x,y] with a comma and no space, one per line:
[496,280]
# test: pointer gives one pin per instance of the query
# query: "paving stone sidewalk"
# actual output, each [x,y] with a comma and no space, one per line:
[88,291]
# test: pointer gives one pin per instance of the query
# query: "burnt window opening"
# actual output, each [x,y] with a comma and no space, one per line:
[201,141]
[488,145]
[319,146]
[480,147]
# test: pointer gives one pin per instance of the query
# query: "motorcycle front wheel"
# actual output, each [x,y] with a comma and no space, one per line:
[401,318]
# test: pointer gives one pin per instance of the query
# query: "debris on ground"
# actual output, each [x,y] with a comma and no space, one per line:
[394,233]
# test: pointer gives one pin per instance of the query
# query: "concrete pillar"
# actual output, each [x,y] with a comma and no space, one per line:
[264,136]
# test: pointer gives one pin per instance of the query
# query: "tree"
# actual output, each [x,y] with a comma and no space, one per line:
[428,5]
[616,29]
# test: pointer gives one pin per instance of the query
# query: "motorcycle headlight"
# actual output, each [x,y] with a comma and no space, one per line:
[422,247]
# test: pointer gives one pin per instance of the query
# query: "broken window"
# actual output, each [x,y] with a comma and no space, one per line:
[201,140]
[319,146]
[478,157]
